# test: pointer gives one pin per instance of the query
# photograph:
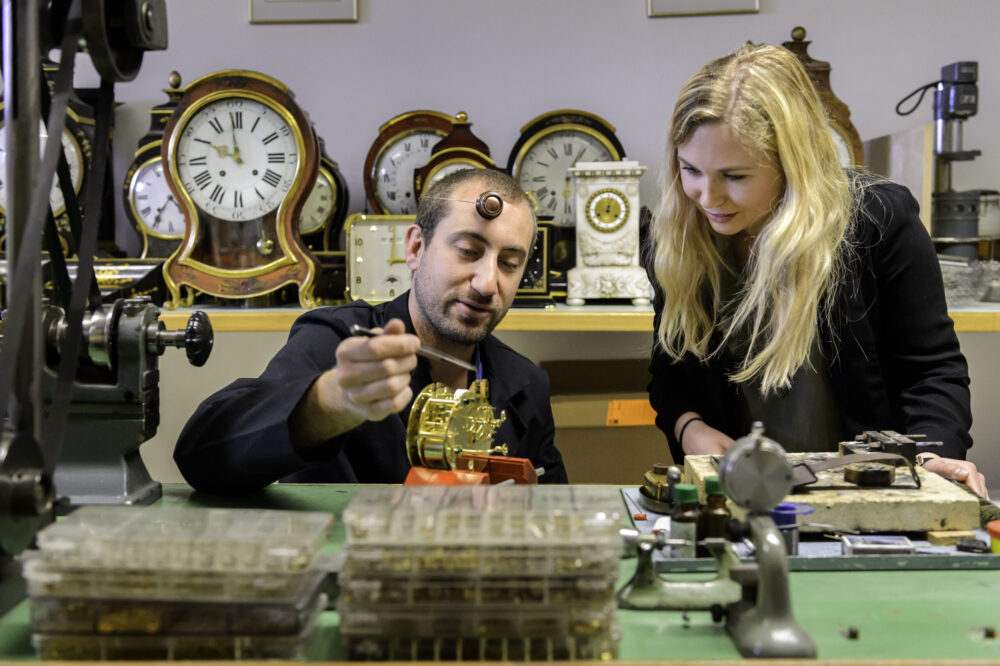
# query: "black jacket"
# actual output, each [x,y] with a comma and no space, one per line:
[238,440]
[893,358]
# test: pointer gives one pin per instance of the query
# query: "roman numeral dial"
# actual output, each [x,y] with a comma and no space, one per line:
[548,146]
[237,158]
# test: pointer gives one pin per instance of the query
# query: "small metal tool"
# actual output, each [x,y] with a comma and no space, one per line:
[357,329]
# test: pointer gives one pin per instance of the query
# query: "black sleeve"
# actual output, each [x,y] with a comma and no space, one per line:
[238,441]
[546,454]
[927,375]
[687,385]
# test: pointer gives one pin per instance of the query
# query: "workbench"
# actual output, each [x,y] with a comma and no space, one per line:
[875,616]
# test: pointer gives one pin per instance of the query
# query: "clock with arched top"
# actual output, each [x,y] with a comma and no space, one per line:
[240,157]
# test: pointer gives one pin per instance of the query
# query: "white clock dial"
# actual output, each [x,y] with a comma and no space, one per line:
[607,210]
[74,158]
[377,269]
[318,208]
[153,203]
[237,158]
[448,168]
[394,167]
[542,169]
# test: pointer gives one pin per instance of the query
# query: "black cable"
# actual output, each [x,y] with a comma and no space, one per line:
[923,91]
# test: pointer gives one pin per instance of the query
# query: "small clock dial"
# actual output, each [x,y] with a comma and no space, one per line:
[153,204]
[319,206]
[607,210]
[394,167]
[377,269]
[542,168]
[237,158]
[74,158]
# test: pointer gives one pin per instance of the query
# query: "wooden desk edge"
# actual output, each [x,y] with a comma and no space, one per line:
[639,321]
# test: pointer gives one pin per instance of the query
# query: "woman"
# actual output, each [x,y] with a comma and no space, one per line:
[790,290]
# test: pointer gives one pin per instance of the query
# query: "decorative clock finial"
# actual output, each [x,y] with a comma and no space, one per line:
[174,80]
[462,116]
[798,33]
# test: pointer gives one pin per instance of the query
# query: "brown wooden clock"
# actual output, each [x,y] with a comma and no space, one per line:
[845,136]
[240,157]
[403,144]
[461,149]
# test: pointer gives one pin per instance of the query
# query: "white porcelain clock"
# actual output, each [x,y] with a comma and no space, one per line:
[607,234]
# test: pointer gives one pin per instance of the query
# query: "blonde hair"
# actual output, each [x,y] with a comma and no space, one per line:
[764,95]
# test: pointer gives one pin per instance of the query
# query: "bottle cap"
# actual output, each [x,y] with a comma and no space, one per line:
[685,493]
[712,486]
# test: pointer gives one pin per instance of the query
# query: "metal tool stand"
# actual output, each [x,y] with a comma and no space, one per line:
[116,404]
[755,474]
[754,598]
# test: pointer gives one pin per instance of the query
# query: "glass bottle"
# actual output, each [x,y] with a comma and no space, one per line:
[684,519]
[714,517]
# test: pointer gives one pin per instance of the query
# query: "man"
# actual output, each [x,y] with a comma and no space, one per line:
[330,407]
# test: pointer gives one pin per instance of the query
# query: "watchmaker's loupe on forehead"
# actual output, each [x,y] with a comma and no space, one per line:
[489,204]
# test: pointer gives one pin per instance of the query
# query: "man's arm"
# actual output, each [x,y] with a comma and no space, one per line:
[370,381]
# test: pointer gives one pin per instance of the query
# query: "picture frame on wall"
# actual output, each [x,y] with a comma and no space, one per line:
[303,11]
[701,7]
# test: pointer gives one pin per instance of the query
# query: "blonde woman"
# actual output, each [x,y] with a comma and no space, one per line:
[790,290]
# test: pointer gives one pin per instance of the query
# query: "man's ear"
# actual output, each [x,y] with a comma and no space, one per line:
[414,246]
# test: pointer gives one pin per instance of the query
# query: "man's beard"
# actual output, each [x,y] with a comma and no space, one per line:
[447,326]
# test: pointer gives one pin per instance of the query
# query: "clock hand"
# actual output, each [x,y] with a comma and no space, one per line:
[222,150]
[393,259]
[236,149]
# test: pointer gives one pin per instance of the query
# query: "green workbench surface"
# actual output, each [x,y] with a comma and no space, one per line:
[852,615]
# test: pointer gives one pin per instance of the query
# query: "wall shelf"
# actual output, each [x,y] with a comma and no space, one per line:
[985,317]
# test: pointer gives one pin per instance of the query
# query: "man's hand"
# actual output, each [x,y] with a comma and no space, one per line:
[962,471]
[370,381]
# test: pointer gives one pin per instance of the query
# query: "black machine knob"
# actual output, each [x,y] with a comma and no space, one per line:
[198,339]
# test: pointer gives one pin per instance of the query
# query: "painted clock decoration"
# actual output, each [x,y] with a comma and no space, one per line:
[241,158]
[607,234]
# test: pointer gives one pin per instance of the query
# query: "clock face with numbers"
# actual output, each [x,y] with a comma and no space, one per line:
[403,145]
[74,159]
[237,158]
[153,204]
[549,145]
[241,157]
[607,210]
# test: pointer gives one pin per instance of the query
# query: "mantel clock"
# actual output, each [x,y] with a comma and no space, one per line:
[240,157]
[607,234]
[461,149]
[403,144]
[149,204]
[850,149]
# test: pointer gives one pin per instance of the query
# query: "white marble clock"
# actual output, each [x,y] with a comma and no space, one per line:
[607,234]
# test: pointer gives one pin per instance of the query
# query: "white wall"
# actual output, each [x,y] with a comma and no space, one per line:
[506,61]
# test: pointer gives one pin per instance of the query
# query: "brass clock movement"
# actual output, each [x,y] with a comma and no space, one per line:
[404,144]
[850,149]
[461,149]
[240,157]
[376,257]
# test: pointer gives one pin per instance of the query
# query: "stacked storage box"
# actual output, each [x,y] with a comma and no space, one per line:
[176,583]
[481,573]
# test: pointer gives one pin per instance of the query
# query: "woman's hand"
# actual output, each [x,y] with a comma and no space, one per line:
[698,438]
[962,471]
